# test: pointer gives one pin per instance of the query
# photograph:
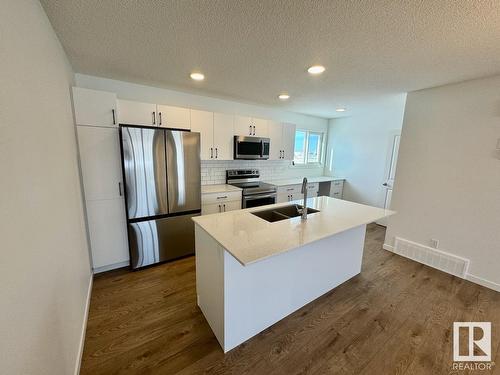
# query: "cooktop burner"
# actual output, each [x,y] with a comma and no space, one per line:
[248,180]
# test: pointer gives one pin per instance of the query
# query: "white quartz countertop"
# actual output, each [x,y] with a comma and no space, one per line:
[222,188]
[249,239]
[298,180]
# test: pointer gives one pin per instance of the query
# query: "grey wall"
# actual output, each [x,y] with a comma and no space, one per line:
[44,268]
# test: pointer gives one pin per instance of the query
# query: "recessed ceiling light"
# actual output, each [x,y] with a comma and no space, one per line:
[340,109]
[283,96]
[197,76]
[316,69]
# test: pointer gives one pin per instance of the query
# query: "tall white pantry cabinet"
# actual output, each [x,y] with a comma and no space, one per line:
[99,146]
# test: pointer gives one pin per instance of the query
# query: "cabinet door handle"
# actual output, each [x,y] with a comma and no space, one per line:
[114,119]
[211,153]
[159,118]
[219,208]
[222,197]
[120,189]
[254,130]
[154,118]
[216,152]
[224,207]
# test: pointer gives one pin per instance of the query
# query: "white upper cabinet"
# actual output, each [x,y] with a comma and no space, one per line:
[288,143]
[137,113]
[223,136]
[94,108]
[216,134]
[100,162]
[203,122]
[244,125]
[276,135]
[174,117]
[260,128]
[282,140]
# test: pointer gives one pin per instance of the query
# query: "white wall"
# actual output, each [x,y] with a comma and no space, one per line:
[44,266]
[448,181]
[360,145]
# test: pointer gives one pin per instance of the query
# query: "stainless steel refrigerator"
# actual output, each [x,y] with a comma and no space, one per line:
[161,171]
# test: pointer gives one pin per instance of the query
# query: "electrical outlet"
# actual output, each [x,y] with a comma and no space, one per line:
[434,243]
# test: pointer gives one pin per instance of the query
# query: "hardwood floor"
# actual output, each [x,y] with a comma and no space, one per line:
[395,317]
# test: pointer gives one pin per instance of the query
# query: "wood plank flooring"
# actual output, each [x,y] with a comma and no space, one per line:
[395,317]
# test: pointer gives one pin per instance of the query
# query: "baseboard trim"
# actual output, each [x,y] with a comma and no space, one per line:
[110,267]
[388,247]
[483,282]
[84,327]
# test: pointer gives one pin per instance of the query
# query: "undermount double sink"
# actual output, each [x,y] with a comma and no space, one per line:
[282,213]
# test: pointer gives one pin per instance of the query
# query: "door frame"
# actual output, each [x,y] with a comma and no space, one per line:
[388,164]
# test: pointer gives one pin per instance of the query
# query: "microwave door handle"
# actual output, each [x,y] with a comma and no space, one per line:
[261,148]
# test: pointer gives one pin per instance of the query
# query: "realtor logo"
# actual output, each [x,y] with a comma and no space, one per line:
[472,341]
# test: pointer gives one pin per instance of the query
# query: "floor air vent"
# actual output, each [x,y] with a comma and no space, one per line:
[432,257]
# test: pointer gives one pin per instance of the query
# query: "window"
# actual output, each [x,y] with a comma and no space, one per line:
[308,147]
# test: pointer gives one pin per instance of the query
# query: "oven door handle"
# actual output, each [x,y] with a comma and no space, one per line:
[254,197]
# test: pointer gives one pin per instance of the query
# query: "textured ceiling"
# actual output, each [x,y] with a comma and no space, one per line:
[251,50]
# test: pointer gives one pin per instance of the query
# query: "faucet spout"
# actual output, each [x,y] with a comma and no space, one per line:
[304,205]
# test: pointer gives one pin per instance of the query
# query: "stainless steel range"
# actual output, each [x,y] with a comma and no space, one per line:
[255,193]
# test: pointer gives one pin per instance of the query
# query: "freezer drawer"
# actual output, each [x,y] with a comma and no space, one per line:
[159,240]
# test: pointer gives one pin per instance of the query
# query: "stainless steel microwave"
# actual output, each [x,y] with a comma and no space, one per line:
[251,148]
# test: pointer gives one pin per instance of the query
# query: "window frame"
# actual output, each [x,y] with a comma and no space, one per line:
[321,146]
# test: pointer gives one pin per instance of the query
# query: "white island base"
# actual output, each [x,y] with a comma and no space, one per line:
[239,301]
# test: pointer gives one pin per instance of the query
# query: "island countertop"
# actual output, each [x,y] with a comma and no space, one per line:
[249,239]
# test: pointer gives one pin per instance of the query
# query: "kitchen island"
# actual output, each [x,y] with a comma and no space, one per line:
[251,273]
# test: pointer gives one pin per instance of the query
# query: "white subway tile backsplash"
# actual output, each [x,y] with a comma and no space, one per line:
[214,171]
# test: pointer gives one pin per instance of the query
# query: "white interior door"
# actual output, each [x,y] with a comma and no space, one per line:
[391,174]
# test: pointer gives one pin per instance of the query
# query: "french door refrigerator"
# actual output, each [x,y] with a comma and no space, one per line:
[161,171]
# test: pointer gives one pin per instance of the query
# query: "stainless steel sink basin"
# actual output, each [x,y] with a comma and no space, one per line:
[282,213]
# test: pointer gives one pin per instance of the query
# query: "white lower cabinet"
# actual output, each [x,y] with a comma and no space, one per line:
[290,193]
[214,203]
[337,189]
[108,233]
[216,208]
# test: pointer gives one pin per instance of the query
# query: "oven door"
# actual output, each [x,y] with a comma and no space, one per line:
[251,148]
[256,200]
